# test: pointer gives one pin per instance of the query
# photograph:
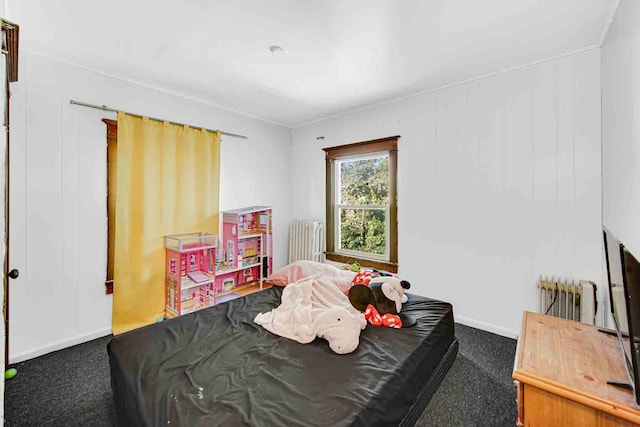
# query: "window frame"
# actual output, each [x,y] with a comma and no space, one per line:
[112,141]
[388,145]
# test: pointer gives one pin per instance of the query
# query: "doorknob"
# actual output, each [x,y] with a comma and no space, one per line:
[14,273]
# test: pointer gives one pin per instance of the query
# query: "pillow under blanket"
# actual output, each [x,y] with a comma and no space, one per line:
[300,269]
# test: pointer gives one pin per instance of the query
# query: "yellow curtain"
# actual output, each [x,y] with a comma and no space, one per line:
[168,182]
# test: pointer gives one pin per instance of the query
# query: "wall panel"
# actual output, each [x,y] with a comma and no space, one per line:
[58,193]
[495,176]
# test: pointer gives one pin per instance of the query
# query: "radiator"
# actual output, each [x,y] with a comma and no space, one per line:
[306,240]
[569,299]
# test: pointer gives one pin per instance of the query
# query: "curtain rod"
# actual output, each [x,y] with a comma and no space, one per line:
[105,108]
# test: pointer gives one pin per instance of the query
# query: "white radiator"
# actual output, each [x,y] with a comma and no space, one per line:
[569,299]
[306,240]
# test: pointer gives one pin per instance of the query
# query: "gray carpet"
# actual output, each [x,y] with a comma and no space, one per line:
[71,387]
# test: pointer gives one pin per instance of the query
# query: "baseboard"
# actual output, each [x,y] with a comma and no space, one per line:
[59,345]
[489,327]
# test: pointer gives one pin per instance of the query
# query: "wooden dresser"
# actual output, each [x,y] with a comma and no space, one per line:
[561,369]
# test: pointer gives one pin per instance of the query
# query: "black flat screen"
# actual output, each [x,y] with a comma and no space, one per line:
[623,272]
[631,279]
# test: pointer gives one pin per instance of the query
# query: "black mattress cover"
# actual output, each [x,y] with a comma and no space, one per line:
[216,367]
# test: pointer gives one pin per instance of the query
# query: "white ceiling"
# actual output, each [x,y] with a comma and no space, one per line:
[341,54]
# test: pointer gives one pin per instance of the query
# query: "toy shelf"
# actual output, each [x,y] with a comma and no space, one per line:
[251,235]
[225,270]
[239,288]
[187,283]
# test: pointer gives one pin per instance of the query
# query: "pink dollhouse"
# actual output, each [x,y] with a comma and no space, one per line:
[190,272]
[246,248]
[200,270]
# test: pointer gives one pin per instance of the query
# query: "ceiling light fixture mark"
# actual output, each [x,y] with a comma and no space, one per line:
[277,50]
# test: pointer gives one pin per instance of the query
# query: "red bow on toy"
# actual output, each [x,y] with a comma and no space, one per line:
[389,320]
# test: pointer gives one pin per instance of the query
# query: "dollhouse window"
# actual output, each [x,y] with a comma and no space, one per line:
[361,203]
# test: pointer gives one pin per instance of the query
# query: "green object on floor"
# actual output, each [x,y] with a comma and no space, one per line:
[10,373]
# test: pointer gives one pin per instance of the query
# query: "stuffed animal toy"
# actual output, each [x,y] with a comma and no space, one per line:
[315,307]
[340,328]
[354,266]
[380,298]
[364,276]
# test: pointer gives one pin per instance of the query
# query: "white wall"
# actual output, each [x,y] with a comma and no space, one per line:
[499,182]
[621,126]
[58,193]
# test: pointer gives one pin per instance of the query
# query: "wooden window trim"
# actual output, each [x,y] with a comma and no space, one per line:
[112,139]
[389,144]
[10,42]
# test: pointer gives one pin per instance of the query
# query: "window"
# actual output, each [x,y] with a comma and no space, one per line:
[361,203]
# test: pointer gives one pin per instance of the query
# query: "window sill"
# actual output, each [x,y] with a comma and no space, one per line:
[391,267]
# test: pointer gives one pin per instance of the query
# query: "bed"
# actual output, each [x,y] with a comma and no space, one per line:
[216,367]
